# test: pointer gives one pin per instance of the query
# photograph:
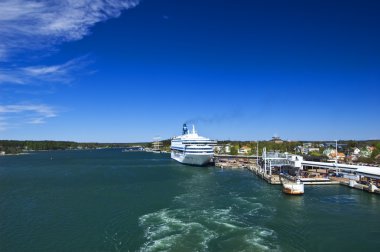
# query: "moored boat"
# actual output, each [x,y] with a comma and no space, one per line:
[292,187]
[192,149]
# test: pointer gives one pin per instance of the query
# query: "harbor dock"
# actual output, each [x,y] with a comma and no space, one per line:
[360,186]
[271,166]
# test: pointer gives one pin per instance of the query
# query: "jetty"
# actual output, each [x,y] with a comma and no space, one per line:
[273,166]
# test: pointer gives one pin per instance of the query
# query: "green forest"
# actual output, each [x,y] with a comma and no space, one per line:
[16,147]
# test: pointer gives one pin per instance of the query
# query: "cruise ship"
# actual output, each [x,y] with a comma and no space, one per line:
[192,149]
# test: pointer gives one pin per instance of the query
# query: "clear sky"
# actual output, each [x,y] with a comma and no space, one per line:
[126,71]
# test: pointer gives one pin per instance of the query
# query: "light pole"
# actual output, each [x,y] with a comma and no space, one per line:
[257,152]
[336,151]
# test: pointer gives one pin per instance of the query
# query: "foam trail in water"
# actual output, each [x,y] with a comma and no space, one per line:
[194,230]
[203,219]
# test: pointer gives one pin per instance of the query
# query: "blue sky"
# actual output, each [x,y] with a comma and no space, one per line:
[126,71]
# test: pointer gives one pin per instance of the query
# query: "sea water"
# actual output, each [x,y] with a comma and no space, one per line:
[108,200]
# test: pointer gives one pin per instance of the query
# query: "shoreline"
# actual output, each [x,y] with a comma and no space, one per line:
[15,154]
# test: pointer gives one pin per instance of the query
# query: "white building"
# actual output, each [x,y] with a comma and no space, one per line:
[244,150]
[356,151]
[227,148]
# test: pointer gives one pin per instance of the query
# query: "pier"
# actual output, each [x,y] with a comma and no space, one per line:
[272,165]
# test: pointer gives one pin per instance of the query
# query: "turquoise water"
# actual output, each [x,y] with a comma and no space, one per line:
[106,200]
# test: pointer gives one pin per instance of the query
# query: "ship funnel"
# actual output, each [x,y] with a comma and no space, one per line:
[185,130]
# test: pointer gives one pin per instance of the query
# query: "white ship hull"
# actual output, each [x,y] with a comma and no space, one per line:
[292,187]
[192,149]
[192,159]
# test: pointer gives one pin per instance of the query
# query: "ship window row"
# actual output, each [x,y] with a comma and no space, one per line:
[199,142]
[192,149]
[178,149]
[208,152]
[181,151]
[199,147]
[198,150]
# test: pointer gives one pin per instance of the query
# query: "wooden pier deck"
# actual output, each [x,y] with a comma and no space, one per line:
[246,163]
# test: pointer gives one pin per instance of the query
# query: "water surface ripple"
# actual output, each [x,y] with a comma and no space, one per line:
[107,200]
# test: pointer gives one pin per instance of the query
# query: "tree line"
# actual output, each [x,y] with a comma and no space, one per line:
[15,147]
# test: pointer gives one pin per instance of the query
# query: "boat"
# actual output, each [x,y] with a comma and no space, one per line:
[192,149]
[157,144]
[133,148]
[292,187]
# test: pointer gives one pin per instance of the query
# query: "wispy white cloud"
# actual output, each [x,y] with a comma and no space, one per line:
[3,124]
[31,75]
[16,114]
[10,76]
[34,24]
[43,110]
[37,120]
[3,52]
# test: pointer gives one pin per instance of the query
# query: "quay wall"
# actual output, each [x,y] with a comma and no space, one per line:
[251,163]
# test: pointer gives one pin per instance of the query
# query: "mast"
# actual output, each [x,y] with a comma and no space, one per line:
[157,144]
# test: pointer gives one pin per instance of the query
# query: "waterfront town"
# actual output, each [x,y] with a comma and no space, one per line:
[292,164]
[365,152]
[350,152]
[311,163]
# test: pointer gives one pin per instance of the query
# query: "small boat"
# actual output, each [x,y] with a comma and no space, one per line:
[157,145]
[133,148]
[291,187]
